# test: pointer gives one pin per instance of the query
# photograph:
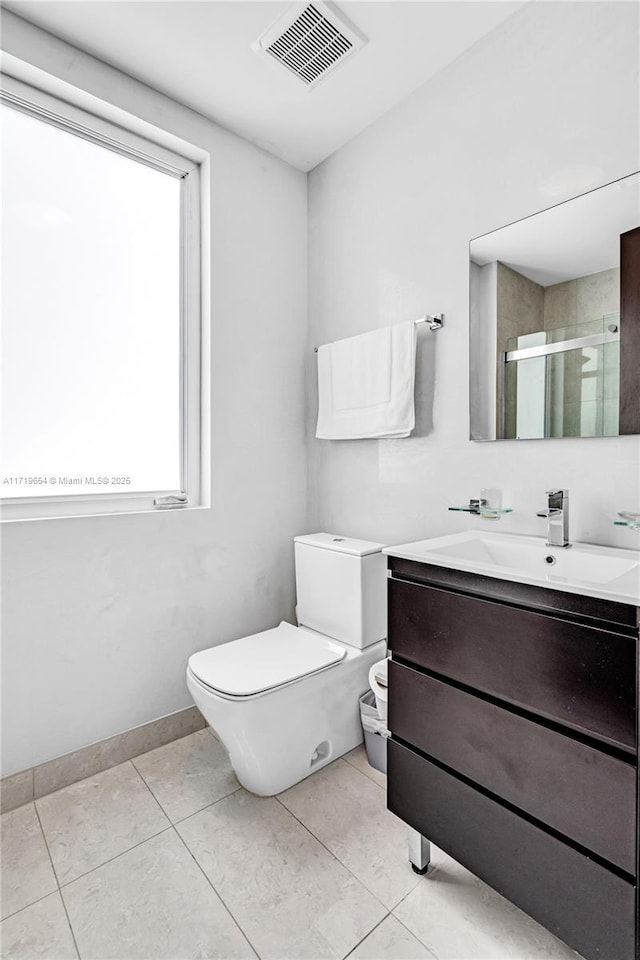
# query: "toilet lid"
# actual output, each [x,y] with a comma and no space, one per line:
[264,660]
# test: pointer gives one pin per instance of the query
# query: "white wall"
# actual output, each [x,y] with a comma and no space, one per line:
[541,109]
[101,614]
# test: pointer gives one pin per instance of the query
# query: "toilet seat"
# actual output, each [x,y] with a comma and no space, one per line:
[263,661]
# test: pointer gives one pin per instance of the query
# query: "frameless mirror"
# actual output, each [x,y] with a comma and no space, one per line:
[555,321]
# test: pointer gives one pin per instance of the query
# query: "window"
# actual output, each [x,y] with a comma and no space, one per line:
[101,315]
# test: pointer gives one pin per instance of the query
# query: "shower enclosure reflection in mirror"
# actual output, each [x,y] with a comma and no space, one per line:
[555,321]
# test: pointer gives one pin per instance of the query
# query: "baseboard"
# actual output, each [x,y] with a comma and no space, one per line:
[27,785]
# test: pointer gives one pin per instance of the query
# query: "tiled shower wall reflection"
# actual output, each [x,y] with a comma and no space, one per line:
[573,393]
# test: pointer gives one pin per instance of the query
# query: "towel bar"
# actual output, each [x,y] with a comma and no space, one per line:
[435,322]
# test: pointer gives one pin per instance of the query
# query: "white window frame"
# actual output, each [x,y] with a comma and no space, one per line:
[193,331]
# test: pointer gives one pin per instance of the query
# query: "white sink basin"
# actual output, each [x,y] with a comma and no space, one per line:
[605,572]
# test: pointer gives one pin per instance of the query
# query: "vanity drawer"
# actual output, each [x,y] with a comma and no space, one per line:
[581,676]
[582,902]
[576,789]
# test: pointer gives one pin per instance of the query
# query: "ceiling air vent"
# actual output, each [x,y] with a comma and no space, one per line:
[310,41]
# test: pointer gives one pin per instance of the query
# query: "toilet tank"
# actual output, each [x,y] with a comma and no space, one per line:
[341,586]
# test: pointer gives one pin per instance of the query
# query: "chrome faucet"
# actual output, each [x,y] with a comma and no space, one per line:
[557,513]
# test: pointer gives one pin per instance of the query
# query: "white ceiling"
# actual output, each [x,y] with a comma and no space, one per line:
[200,54]
[573,239]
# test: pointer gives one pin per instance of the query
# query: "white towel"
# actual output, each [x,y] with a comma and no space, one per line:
[366,385]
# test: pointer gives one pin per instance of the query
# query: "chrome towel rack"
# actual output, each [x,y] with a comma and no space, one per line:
[433,320]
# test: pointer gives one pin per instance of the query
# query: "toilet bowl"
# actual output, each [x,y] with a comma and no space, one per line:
[279,735]
[285,701]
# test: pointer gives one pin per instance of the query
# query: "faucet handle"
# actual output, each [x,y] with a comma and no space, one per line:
[558,499]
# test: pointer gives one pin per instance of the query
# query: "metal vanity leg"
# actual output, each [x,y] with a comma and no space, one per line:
[419,850]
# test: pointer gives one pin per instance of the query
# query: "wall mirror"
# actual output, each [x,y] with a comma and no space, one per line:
[555,321]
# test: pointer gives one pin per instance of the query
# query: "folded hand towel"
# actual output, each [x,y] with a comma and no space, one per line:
[366,385]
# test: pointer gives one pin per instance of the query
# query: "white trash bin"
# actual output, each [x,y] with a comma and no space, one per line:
[375,732]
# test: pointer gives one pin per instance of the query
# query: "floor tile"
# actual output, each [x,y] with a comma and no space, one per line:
[90,822]
[358,759]
[39,931]
[458,917]
[188,774]
[348,813]
[27,874]
[289,895]
[391,941]
[152,902]
[87,762]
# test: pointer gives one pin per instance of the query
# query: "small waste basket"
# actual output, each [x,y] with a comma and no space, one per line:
[375,732]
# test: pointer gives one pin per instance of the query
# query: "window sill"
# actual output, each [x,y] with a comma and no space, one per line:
[31,513]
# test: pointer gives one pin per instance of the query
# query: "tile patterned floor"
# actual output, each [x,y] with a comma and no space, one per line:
[166,856]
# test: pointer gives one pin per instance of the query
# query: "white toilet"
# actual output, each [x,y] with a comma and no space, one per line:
[285,702]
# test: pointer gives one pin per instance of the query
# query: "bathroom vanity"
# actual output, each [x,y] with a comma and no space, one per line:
[513,713]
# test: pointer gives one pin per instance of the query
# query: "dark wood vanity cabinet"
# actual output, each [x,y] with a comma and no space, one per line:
[513,718]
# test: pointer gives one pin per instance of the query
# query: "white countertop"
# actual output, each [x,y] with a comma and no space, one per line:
[609,573]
